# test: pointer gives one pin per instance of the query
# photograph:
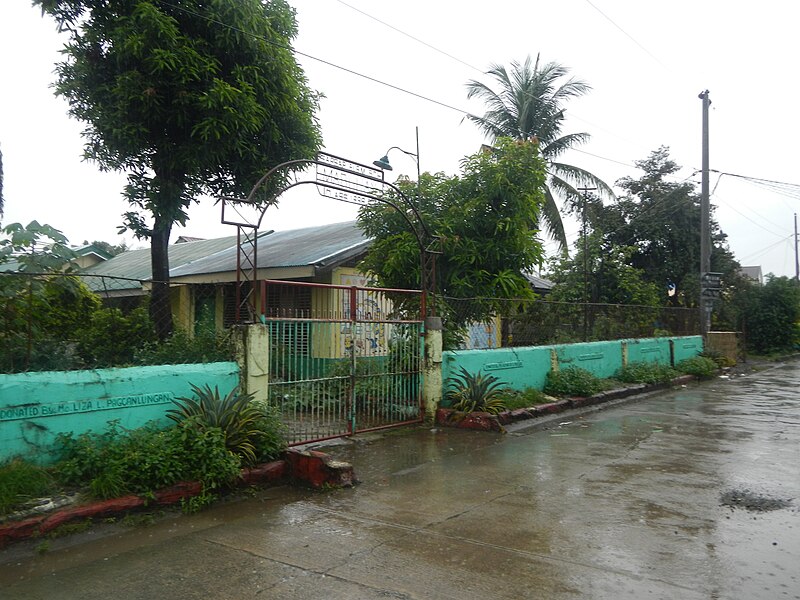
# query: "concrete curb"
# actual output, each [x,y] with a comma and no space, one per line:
[481,421]
[309,468]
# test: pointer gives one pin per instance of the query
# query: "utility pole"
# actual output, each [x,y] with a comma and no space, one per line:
[585,191]
[705,233]
[796,257]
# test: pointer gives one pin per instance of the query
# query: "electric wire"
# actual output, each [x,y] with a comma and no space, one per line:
[473,67]
[629,36]
[751,219]
[408,35]
[375,80]
[767,249]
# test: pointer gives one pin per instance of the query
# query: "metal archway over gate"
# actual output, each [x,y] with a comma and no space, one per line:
[336,178]
[342,359]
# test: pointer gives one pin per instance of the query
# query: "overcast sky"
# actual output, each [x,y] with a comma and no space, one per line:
[646,63]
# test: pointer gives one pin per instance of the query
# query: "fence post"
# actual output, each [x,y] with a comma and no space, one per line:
[252,354]
[432,369]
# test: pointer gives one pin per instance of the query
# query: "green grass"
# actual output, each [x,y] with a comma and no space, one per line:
[21,481]
[514,399]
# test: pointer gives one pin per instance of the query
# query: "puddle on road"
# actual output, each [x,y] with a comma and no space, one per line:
[752,501]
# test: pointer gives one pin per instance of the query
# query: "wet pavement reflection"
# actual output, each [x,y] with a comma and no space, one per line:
[690,493]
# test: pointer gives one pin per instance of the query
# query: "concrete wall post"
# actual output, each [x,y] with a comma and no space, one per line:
[432,369]
[252,354]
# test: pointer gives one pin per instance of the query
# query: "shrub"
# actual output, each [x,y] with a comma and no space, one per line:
[115,463]
[699,366]
[719,358]
[21,481]
[250,429]
[470,393]
[270,441]
[111,338]
[572,381]
[206,345]
[645,372]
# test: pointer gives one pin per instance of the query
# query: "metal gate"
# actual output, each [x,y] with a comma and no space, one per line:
[343,359]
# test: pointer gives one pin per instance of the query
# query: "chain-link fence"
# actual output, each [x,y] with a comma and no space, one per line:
[77,321]
[539,322]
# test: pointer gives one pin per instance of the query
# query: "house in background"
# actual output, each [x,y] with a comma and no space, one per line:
[203,272]
[86,256]
[753,274]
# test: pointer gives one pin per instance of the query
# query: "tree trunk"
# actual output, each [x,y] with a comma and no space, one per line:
[160,306]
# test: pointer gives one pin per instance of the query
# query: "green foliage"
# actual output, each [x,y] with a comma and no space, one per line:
[40,302]
[241,420]
[475,393]
[205,345]
[771,316]
[36,248]
[140,461]
[643,241]
[487,219]
[513,399]
[21,481]
[720,359]
[645,372]
[699,366]
[195,504]
[611,278]
[189,99]
[270,440]
[572,381]
[111,338]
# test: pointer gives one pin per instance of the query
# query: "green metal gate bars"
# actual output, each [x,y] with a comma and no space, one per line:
[343,359]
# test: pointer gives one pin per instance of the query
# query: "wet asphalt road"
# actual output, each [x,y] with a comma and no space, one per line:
[626,502]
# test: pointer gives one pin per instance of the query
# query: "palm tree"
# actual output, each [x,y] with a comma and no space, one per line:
[529,106]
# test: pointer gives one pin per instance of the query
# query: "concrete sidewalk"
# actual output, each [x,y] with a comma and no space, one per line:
[624,502]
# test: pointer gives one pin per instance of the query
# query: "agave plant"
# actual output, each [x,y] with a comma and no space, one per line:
[236,415]
[470,393]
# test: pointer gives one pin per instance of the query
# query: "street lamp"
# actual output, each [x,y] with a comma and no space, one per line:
[383,162]
[427,254]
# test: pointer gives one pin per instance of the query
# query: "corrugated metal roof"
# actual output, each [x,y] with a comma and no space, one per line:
[297,247]
[537,282]
[293,248]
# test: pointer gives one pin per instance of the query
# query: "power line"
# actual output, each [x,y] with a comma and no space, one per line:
[750,219]
[375,80]
[768,248]
[629,36]
[784,188]
[323,61]
[466,64]
[408,35]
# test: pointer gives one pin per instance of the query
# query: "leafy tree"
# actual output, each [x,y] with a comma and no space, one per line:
[611,278]
[188,97]
[41,303]
[772,315]
[485,218]
[528,104]
[660,219]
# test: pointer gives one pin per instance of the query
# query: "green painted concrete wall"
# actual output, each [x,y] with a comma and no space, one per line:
[36,407]
[687,347]
[527,366]
[517,368]
[602,359]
